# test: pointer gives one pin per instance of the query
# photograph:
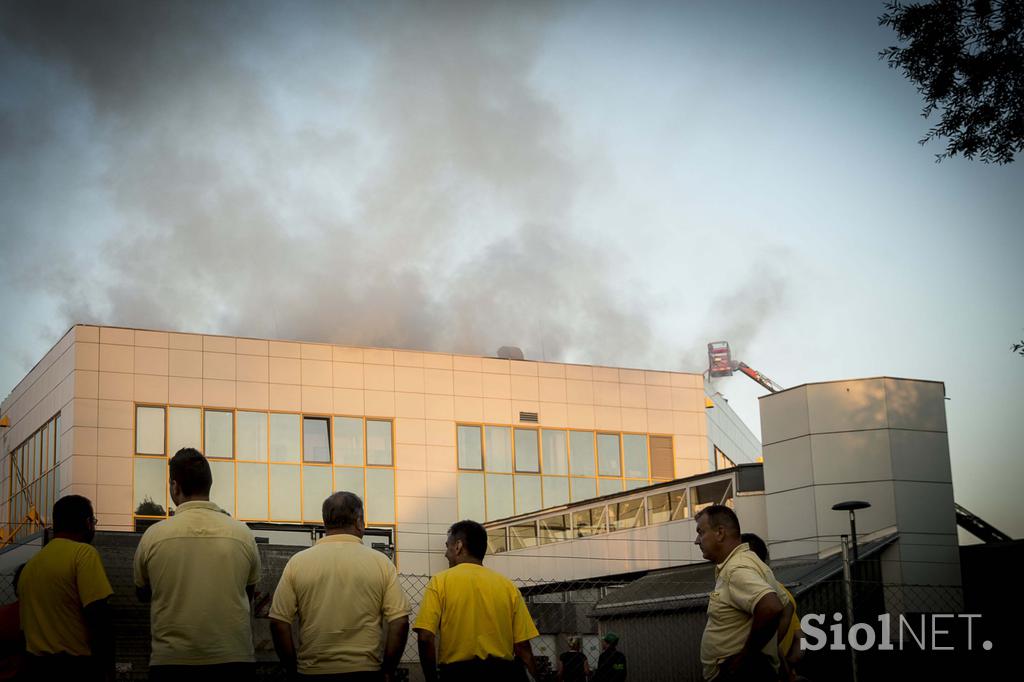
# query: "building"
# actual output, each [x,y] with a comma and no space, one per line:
[425,438]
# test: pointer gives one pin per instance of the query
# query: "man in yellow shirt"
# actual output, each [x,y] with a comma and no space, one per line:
[478,614]
[63,594]
[788,633]
[344,594]
[199,568]
[739,641]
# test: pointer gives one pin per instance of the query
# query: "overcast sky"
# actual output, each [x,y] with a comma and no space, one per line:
[596,182]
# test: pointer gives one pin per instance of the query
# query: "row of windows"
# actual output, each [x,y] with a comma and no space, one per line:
[659,507]
[262,436]
[288,493]
[557,452]
[33,477]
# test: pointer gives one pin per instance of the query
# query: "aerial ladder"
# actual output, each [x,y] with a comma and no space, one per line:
[721,364]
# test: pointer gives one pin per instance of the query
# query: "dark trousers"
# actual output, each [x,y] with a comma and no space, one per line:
[758,668]
[221,672]
[62,667]
[490,669]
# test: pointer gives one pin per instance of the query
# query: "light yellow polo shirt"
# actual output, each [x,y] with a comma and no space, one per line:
[476,613]
[55,585]
[198,564]
[740,582]
[343,593]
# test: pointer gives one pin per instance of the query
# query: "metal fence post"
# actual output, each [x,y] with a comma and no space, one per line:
[848,593]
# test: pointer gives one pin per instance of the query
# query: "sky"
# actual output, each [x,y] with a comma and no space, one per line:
[595,182]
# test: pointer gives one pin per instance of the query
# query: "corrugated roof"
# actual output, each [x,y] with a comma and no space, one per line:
[687,587]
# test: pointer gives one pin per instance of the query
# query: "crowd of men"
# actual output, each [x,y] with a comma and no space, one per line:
[198,570]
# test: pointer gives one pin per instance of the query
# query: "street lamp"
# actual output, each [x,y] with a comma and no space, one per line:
[852,506]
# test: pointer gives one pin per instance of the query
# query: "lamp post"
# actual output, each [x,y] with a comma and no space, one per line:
[852,506]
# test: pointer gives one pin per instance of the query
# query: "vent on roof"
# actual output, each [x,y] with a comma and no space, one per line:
[529,417]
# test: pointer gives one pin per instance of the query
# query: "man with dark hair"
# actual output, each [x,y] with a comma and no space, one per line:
[63,593]
[343,593]
[744,610]
[478,614]
[199,568]
[611,664]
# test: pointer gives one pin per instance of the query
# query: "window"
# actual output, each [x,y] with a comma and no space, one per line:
[316,440]
[659,508]
[350,480]
[581,453]
[222,493]
[522,535]
[284,493]
[555,455]
[582,489]
[316,487]
[634,455]
[526,451]
[219,434]
[348,441]
[470,452]
[380,495]
[627,514]
[528,495]
[184,429]
[608,462]
[471,495]
[589,522]
[284,437]
[149,430]
[497,541]
[721,461]
[252,491]
[607,486]
[662,464]
[500,500]
[680,504]
[378,443]
[556,491]
[252,436]
[150,486]
[499,449]
[554,529]
[715,492]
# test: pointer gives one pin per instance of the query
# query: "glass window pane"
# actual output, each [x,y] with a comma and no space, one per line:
[556,458]
[284,438]
[252,491]
[554,529]
[380,495]
[378,443]
[348,441]
[583,489]
[499,496]
[716,492]
[150,487]
[588,522]
[632,484]
[627,514]
[528,497]
[316,487]
[526,451]
[470,456]
[499,449]
[659,508]
[316,440]
[252,436]
[679,500]
[634,455]
[219,434]
[51,444]
[581,453]
[608,463]
[607,486]
[284,493]
[497,541]
[556,491]
[471,496]
[522,535]
[222,493]
[349,480]
[184,429]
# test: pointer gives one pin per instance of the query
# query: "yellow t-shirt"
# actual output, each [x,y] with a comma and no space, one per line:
[198,564]
[343,593]
[475,612]
[55,585]
[740,583]
[794,624]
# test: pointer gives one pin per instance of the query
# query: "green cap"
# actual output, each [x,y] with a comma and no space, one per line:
[611,638]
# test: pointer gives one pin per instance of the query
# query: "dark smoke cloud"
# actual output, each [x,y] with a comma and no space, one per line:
[364,173]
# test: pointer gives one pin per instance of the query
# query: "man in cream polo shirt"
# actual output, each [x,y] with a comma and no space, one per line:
[345,594]
[745,608]
[199,568]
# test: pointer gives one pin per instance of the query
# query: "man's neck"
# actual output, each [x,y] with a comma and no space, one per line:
[728,549]
[344,531]
[65,535]
[469,560]
[193,498]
